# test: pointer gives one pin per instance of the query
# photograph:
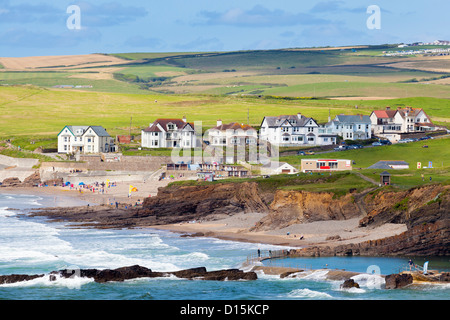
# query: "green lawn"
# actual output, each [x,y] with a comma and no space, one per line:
[438,152]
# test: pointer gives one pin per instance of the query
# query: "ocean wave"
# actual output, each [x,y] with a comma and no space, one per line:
[309,294]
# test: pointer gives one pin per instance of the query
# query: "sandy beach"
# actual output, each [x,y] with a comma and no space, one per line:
[234,228]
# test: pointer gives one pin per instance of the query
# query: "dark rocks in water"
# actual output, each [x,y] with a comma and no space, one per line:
[12,278]
[396,281]
[349,283]
[136,271]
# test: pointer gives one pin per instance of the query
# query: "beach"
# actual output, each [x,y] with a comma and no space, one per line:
[234,227]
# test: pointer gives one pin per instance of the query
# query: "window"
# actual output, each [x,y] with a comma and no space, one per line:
[320,164]
[170,126]
[333,165]
[310,139]
[285,139]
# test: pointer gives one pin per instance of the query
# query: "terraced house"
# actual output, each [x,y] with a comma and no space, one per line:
[85,139]
[294,130]
[169,133]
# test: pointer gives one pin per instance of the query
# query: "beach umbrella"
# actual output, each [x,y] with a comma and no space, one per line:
[67,183]
[81,184]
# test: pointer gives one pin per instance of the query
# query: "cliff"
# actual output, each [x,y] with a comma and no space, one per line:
[179,203]
[292,207]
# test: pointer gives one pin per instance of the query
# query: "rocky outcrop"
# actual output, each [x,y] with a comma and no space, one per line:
[30,181]
[396,281]
[292,207]
[349,283]
[428,228]
[178,203]
[136,271]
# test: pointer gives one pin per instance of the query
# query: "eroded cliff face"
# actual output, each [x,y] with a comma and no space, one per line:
[181,203]
[292,207]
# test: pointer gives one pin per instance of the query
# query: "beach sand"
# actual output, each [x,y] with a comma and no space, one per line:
[234,228]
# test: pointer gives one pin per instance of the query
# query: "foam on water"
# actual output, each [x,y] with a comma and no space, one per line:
[308,294]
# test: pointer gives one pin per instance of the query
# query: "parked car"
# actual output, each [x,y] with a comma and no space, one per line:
[355,146]
[341,148]
[309,152]
[301,153]
[404,141]
[424,138]
[377,144]
[387,142]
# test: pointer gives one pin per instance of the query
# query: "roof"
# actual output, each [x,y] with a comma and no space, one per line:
[293,120]
[385,113]
[180,123]
[99,131]
[385,173]
[75,130]
[234,126]
[386,164]
[342,118]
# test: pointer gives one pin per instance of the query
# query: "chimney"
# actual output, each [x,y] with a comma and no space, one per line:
[184,119]
[299,115]
[388,108]
[219,122]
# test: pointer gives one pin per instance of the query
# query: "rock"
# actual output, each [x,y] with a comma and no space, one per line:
[11,182]
[349,283]
[396,281]
[444,276]
[18,278]
[136,271]
[336,237]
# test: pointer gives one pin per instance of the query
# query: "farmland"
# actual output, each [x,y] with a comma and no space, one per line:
[124,92]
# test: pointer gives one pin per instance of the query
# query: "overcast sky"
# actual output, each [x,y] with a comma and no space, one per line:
[44,27]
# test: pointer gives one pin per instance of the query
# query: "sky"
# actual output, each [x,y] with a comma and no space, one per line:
[60,27]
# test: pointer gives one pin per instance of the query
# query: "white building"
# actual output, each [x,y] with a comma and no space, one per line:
[351,127]
[277,168]
[85,139]
[232,134]
[391,124]
[169,133]
[294,130]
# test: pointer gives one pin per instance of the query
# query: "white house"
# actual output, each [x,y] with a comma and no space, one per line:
[277,168]
[232,134]
[294,130]
[391,124]
[85,139]
[351,127]
[169,133]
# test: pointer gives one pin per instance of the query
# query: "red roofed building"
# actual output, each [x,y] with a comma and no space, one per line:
[391,123]
[169,133]
[232,134]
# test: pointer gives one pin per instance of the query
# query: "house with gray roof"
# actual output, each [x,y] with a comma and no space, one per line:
[350,127]
[85,139]
[293,130]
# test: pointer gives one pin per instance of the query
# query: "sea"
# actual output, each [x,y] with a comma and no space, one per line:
[34,245]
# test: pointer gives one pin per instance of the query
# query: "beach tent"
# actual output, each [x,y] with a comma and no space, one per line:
[67,183]
[81,184]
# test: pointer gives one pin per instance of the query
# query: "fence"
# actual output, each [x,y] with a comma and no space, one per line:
[272,257]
